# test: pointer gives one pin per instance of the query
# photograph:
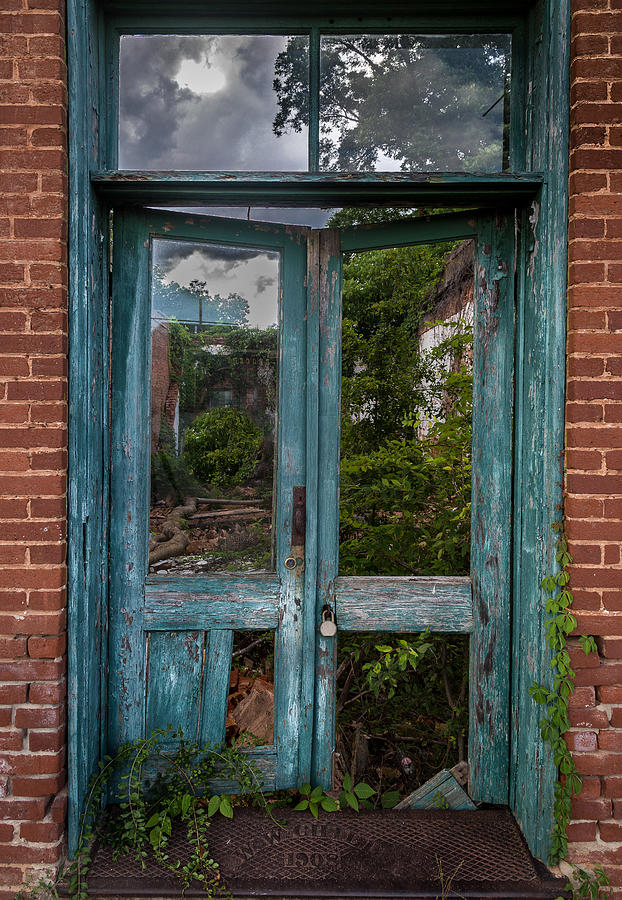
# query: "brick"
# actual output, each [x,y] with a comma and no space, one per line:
[48,647]
[590,809]
[610,694]
[612,555]
[43,390]
[38,787]
[581,831]
[31,810]
[584,460]
[41,832]
[34,623]
[593,623]
[610,740]
[47,692]
[588,718]
[583,696]
[612,786]
[15,853]
[40,716]
[34,764]
[31,670]
[576,740]
[58,807]
[605,674]
[13,647]
[42,741]
[610,831]
[577,390]
[11,740]
[13,693]
[6,833]
[611,648]
[583,507]
[594,484]
[586,553]
[590,788]
[14,462]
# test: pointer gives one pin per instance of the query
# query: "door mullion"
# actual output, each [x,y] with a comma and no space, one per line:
[491,517]
[328,497]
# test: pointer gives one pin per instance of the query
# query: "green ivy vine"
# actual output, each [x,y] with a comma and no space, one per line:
[555,721]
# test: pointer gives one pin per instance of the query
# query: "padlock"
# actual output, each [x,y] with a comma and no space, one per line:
[328,626]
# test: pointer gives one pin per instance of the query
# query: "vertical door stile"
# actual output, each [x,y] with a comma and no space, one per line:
[310,614]
[328,497]
[491,518]
[290,473]
[129,482]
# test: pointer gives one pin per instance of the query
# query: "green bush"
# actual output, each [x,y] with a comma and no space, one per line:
[222,446]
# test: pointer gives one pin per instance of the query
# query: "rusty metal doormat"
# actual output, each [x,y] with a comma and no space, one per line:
[414,853]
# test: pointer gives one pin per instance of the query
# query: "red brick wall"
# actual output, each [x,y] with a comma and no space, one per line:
[33,439]
[594,425]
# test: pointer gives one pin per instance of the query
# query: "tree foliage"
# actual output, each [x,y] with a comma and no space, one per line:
[410,102]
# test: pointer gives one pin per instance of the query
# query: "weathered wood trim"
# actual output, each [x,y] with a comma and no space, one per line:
[406,232]
[328,498]
[404,604]
[130,441]
[430,15]
[491,511]
[87,489]
[316,188]
[539,410]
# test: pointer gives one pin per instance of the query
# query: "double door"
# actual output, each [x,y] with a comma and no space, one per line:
[258,305]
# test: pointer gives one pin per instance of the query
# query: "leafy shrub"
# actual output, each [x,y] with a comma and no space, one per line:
[222,446]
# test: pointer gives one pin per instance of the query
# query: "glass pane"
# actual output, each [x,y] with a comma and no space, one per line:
[414,102]
[405,490]
[209,102]
[250,711]
[214,336]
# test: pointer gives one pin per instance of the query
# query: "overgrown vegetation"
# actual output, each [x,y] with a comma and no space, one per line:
[222,446]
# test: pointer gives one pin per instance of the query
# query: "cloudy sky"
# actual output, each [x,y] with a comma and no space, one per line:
[226,270]
[202,102]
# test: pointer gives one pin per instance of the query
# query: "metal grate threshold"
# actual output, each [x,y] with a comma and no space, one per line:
[411,853]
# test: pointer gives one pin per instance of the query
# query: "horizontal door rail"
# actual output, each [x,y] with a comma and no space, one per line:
[316,188]
[237,602]
[404,604]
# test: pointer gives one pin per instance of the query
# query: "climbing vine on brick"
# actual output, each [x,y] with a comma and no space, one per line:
[554,701]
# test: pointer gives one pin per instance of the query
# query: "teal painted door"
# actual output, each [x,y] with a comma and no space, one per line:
[171,635]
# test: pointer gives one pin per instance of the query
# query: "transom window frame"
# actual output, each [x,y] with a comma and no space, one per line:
[537,186]
[314,29]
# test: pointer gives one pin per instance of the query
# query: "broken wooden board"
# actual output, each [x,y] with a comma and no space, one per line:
[443,791]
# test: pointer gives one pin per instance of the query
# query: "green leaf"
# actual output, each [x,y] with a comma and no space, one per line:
[329,804]
[363,791]
[186,800]
[347,782]
[316,793]
[213,805]
[155,818]
[305,790]
[225,807]
[313,808]
[351,800]
[304,804]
